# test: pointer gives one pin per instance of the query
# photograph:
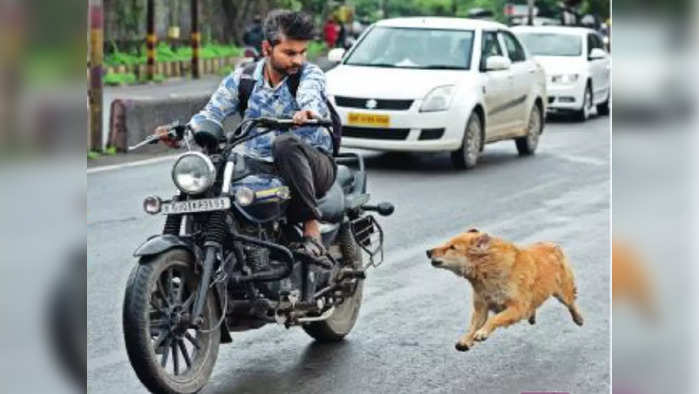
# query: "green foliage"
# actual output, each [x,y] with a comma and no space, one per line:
[93,155]
[116,79]
[110,151]
[316,48]
[164,53]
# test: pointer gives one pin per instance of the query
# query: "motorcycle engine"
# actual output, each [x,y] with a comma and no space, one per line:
[260,259]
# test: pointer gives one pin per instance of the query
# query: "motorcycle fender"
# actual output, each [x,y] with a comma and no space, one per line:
[161,243]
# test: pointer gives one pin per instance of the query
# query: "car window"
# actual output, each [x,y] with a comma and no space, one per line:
[424,48]
[489,47]
[591,43]
[514,48]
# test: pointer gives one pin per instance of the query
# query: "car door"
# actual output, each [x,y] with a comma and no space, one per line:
[600,69]
[495,85]
[521,82]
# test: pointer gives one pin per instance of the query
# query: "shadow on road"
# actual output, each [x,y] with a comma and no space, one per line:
[316,361]
[436,162]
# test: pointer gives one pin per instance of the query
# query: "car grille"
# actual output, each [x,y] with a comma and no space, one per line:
[431,134]
[375,133]
[355,102]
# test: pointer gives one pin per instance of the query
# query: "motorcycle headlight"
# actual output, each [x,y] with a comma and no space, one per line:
[193,173]
[565,78]
[438,99]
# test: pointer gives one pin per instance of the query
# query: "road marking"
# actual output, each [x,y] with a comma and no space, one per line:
[131,164]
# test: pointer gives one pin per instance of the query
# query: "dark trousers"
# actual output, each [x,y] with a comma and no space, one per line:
[309,173]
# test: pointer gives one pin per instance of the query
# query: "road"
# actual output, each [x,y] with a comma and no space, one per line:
[412,313]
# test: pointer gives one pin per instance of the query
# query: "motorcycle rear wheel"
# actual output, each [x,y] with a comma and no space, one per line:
[168,358]
[341,322]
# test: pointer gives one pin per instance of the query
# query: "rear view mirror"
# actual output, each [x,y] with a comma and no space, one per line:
[597,53]
[495,63]
[335,54]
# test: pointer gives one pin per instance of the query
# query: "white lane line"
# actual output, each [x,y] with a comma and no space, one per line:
[131,164]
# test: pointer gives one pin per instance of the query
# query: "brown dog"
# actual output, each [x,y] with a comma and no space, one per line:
[510,281]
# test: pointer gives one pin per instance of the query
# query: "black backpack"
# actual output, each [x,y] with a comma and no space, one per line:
[247,83]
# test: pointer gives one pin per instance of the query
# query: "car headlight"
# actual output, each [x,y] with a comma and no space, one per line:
[565,78]
[193,173]
[438,99]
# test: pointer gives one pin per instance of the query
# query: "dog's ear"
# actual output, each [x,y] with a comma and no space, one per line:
[483,241]
[472,230]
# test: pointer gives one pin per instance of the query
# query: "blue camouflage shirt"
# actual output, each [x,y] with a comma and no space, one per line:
[276,102]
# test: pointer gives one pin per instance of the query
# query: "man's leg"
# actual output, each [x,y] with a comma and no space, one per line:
[309,174]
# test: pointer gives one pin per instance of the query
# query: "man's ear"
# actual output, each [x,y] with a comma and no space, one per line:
[266,48]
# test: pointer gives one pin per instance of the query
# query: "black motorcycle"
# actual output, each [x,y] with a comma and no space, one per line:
[226,259]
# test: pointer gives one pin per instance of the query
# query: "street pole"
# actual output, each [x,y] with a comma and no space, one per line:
[95,75]
[530,12]
[150,39]
[196,39]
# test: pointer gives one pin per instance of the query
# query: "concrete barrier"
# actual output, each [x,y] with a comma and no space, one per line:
[131,120]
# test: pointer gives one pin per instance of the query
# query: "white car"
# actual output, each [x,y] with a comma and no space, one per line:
[577,67]
[427,84]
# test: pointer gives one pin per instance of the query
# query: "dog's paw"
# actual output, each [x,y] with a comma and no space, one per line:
[481,335]
[462,347]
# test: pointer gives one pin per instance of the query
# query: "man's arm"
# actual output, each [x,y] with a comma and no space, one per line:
[223,103]
[311,91]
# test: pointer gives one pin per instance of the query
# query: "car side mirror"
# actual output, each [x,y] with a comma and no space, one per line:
[597,53]
[335,54]
[496,63]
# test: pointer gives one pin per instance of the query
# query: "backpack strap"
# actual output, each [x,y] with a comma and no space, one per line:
[245,87]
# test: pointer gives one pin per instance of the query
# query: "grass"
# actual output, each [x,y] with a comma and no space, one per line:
[95,155]
[118,79]
[164,53]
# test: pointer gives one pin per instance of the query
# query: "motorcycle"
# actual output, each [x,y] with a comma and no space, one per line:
[226,261]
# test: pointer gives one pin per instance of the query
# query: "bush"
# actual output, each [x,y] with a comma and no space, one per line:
[316,48]
[115,79]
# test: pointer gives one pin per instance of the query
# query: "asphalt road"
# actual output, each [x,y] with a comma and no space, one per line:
[412,313]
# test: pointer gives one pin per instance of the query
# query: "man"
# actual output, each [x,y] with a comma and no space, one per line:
[254,35]
[302,155]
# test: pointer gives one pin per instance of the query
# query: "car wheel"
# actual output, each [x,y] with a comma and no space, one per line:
[603,109]
[584,113]
[527,145]
[467,155]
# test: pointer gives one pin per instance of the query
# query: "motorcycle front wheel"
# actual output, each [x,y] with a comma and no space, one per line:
[341,322]
[167,354]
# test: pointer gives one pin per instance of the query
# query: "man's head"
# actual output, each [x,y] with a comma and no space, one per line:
[287,34]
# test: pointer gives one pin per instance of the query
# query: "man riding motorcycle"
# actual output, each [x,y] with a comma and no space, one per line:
[303,155]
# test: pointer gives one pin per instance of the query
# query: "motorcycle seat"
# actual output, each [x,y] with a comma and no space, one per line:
[345,177]
[332,205]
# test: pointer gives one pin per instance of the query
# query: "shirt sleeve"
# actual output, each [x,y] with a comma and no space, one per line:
[311,91]
[223,103]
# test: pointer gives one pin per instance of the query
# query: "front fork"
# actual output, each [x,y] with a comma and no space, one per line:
[202,290]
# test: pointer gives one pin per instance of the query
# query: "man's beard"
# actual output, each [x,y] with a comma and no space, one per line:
[281,70]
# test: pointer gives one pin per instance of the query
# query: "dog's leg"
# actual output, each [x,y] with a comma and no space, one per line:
[510,315]
[567,293]
[478,317]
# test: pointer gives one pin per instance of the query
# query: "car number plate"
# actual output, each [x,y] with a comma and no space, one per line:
[192,206]
[364,119]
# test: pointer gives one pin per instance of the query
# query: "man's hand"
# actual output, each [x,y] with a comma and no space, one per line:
[163,133]
[304,116]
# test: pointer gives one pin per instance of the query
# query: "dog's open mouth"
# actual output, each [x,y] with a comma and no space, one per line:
[436,263]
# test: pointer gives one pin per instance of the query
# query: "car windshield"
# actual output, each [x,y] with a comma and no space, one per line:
[552,44]
[414,48]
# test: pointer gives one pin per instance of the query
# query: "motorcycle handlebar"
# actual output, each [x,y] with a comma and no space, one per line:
[277,123]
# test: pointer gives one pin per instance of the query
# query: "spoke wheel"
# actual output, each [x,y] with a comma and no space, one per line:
[166,351]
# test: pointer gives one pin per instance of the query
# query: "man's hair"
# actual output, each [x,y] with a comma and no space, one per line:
[291,24]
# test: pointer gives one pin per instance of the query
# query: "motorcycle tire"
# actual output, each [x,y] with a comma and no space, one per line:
[156,347]
[341,322]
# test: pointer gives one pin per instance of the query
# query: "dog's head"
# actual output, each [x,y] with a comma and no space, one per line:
[460,252]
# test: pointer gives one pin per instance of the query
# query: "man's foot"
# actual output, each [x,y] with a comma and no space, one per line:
[313,246]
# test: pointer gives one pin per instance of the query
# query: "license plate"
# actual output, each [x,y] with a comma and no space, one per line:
[364,119]
[192,206]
